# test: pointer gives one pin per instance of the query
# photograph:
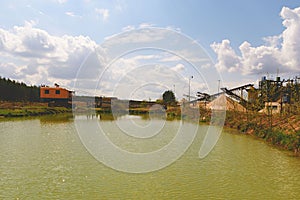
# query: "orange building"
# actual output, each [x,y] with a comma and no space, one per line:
[56,94]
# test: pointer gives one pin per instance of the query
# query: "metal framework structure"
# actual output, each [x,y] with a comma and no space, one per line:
[231,92]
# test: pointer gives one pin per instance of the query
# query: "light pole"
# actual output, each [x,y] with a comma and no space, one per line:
[174,88]
[190,87]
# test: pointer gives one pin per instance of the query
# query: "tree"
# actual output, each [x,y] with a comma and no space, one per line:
[11,90]
[169,97]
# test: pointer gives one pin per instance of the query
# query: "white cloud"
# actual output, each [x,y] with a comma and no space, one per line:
[153,47]
[227,58]
[146,25]
[104,13]
[137,60]
[147,82]
[273,41]
[280,51]
[170,58]
[259,59]
[71,14]
[30,23]
[61,1]
[128,28]
[34,56]
[290,36]
[181,47]
[10,70]
[206,65]
[136,37]
[179,67]
[174,28]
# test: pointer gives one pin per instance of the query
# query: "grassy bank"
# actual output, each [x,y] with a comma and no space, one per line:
[277,130]
[21,109]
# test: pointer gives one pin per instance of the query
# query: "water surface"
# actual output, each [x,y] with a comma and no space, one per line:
[43,158]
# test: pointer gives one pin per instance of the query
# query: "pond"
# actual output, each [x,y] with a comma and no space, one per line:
[44,158]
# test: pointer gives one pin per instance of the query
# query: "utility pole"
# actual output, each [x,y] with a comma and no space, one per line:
[174,89]
[190,87]
[219,86]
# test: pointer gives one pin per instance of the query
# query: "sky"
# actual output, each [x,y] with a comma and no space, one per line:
[103,47]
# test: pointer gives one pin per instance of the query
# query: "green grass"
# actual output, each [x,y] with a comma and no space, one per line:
[32,111]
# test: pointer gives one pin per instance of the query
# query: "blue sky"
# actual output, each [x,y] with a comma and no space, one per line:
[243,38]
[205,21]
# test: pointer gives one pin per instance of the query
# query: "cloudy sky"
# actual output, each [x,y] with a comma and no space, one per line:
[138,49]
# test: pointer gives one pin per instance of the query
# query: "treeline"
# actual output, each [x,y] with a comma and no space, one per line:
[11,90]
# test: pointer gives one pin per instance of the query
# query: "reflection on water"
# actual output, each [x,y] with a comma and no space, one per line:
[114,116]
[43,159]
[60,118]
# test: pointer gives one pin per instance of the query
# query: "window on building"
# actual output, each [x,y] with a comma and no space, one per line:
[57,91]
[46,91]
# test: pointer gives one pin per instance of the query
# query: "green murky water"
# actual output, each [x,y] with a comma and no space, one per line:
[43,158]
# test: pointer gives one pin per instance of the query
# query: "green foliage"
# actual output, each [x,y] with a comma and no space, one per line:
[159,101]
[10,90]
[169,97]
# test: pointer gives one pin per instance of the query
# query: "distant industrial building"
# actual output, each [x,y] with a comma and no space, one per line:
[271,96]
